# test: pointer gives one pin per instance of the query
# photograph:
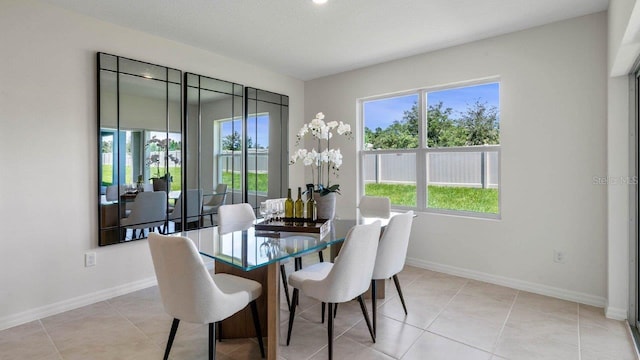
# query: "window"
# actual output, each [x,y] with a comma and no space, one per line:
[435,149]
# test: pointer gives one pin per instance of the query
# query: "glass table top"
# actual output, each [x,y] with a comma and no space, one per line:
[250,249]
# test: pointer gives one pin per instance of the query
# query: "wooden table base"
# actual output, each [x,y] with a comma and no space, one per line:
[240,325]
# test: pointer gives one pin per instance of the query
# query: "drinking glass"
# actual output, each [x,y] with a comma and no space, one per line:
[264,211]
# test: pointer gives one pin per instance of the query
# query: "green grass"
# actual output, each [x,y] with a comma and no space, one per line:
[440,197]
[256,181]
[107,175]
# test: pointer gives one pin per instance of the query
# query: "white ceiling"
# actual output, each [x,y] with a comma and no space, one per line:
[307,41]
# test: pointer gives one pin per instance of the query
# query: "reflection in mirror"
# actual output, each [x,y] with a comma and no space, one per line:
[140,144]
[213,114]
[267,118]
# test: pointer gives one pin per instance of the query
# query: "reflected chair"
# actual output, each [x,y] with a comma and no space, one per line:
[375,207]
[215,201]
[147,212]
[392,253]
[342,281]
[194,204]
[190,293]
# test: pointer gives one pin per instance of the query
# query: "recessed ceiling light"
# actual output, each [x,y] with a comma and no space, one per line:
[319,1]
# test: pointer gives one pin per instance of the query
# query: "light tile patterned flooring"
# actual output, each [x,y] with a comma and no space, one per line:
[449,318]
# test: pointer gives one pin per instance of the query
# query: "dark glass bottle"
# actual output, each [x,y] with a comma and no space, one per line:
[311,207]
[299,206]
[288,205]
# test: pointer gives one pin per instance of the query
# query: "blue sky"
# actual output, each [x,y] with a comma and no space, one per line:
[381,113]
[262,135]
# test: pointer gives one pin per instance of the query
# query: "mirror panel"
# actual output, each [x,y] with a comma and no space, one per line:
[267,117]
[140,137]
[213,115]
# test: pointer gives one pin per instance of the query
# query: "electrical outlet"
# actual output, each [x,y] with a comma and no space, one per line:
[559,256]
[90,259]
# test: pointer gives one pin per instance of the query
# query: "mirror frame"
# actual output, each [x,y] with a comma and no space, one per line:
[109,214]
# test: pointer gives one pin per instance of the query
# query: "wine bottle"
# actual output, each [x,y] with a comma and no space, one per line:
[299,206]
[311,207]
[288,205]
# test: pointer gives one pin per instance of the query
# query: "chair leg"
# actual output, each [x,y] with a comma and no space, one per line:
[283,274]
[324,305]
[374,301]
[298,263]
[320,256]
[335,310]
[330,330]
[292,314]
[397,282]
[256,323]
[172,336]
[363,307]
[212,341]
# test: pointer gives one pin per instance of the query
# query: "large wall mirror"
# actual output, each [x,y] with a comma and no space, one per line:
[235,151]
[267,124]
[158,173]
[140,146]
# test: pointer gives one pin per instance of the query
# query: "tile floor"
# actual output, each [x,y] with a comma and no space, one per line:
[449,318]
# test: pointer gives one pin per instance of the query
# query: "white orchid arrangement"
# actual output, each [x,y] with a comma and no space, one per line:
[324,160]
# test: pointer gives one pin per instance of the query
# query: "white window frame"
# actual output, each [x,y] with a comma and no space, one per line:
[423,151]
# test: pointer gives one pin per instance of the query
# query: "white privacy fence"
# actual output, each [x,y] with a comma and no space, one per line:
[478,169]
[107,158]
[257,161]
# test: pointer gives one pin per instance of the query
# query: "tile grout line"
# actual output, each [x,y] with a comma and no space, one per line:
[50,339]
[579,338]
[504,325]
[134,325]
[447,304]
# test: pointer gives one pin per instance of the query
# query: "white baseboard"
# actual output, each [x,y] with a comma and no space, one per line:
[615,313]
[541,289]
[80,301]
[74,303]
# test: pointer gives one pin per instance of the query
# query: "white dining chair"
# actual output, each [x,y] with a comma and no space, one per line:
[342,281]
[190,293]
[235,217]
[194,204]
[211,206]
[392,253]
[375,207]
[147,212]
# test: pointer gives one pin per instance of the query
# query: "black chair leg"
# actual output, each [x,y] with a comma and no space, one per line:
[292,314]
[324,305]
[283,274]
[298,263]
[397,282]
[330,330]
[172,336]
[335,310]
[374,305]
[320,256]
[363,307]
[212,341]
[256,323]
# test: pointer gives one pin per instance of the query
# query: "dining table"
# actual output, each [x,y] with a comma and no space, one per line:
[256,254]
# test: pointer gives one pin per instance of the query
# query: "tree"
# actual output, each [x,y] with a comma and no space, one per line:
[401,134]
[481,124]
[233,142]
[442,130]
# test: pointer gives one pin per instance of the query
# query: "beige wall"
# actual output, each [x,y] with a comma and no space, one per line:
[48,153]
[553,132]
